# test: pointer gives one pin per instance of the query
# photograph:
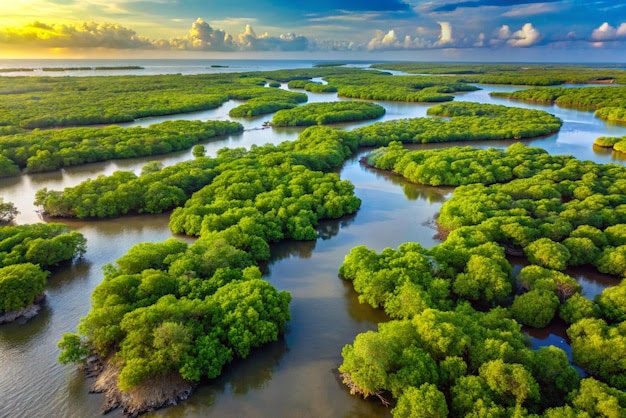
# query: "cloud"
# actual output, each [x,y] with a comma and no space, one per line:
[389,40]
[480,42]
[201,37]
[249,41]
[446,33]
[346,17]
[525,37]
[80,35]
[606,32]
[451,7]
[531,10]
[504,32]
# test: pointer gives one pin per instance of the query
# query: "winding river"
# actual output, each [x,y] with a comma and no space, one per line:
[295,376]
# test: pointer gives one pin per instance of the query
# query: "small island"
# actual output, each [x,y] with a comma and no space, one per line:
[327,113]
[26,254]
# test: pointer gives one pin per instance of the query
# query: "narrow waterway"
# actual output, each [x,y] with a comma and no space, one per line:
[297,375]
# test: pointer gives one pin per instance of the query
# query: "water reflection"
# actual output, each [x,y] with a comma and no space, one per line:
[554,334]
[238,379]
[413,191]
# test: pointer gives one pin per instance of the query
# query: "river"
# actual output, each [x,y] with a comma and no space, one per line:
[295,376]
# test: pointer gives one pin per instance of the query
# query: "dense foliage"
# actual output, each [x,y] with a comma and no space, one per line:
[476,364]
[455,166]
[157,190]
[313,87]
[560,212]
[526,74]
[172,308]
[20,284]
[327,112]
[43,244]
[47,150]
[43,102]
[608,102]
[26,250]
[267,101]
[467,121]
[379,86]
[154,191]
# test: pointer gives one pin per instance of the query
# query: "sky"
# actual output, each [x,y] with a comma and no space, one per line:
[451,30]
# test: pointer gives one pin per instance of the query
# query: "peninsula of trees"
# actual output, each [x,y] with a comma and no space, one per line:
[48,150]
[26,253]
[609,103]
[327,113]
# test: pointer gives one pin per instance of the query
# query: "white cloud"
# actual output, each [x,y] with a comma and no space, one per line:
[446,33]
[531,10]
[389,40]
[480,42]
[249,41]
[606,32]
[346,17]
[504,32]
[525,37]
[203,37]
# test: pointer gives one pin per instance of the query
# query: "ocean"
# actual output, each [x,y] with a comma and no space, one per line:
[153,66]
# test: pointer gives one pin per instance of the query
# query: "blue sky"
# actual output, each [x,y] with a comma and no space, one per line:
[494,30]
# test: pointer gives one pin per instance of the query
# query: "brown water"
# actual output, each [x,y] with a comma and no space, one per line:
[295,376]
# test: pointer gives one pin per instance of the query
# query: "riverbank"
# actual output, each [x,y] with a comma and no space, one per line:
[157,393]
[25,313]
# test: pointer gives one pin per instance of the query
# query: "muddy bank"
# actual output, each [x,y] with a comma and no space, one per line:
[24,313]
[165,390]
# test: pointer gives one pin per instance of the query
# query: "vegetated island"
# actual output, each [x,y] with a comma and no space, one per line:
[327,113]
[522,74]
[101,68]
[617,144]
[157,190]
[52,69]
[609,103]
[313,87]
[218,66]
[329,64]
[27,252]
[454,345]
[169,314]
[16,70]
[48,150]
[271,101]
[119,67]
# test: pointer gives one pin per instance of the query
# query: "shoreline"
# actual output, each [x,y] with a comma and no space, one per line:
[154,394]
[25,313]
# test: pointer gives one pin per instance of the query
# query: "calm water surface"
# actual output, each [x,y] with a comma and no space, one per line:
[295,376]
